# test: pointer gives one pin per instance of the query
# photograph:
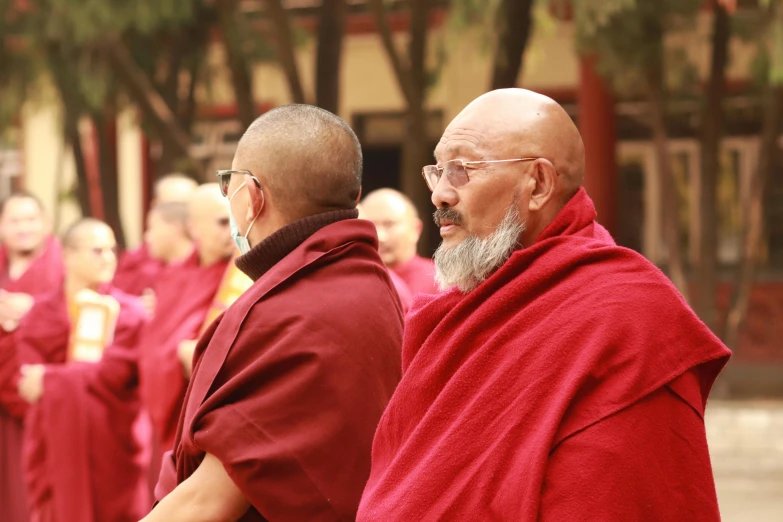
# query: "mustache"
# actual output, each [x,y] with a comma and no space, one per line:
[447,214]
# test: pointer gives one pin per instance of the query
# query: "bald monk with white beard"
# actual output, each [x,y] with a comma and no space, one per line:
[560,377]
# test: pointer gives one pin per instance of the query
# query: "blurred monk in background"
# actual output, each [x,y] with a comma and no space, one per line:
[77,347]
[185,293]
[30,266]
[138,269]
[405,294]
[399,229]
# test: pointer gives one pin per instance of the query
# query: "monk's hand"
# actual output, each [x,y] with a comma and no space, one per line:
[149,301]
[13,306]
[185,352]
[31,383]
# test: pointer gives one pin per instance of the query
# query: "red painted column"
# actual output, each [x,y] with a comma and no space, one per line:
[598,125]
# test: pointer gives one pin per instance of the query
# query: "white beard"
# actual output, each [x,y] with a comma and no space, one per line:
[470,263]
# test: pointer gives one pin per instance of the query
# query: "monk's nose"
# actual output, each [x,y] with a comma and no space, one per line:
[444,194]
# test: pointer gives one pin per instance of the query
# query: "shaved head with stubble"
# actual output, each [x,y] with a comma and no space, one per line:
[503,206]
[306,160]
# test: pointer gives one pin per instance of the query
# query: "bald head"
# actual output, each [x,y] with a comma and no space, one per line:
[517,123]
[174,187]
[82,231]
[89,255]
[307,159]
[209,222]
[397,223]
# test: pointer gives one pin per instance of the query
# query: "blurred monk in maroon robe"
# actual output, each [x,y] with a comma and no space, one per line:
[138,269]
[30,266]
[561,378]
[77,348]
[399,229]
[289,384]
[184,292]
[404,293]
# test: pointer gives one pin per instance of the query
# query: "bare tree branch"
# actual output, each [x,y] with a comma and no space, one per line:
[140,87]
[285,49]
[241,76]
[401,72]
[331,25]
[513,24]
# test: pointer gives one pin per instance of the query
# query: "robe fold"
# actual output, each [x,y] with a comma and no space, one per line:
[42,276]
[184,294]
[288,385]
[137,271]
[570,385]
[80,453]
[419,274]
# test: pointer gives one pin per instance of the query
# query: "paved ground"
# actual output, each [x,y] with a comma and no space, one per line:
[746,444]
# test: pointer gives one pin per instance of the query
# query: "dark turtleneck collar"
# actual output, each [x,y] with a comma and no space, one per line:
[273,249]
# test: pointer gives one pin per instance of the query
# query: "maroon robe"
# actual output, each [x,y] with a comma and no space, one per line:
[288,385]
[419,274]
[184,292]
[43,274]
[404,293]
[569,386]
[137,271]
[80,454]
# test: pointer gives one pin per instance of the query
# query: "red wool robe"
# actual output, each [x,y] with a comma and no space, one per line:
[184,293]
[288,385]
[571,385]
[419,275]
[80,454]
[137,271]
[43,275]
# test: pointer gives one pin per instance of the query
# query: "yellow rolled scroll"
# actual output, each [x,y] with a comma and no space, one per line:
[94,319]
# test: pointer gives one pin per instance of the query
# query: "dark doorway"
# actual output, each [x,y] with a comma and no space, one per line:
[630,226]
[381,168]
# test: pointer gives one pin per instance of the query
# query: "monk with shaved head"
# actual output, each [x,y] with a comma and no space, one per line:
[559,376]
[193,238]
[79,380]
[399,229]
[290,382]
[138,268]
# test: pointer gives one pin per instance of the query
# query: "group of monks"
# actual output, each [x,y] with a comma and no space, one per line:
[265,355]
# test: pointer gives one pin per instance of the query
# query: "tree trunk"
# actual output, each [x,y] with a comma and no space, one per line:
[241,74]
[513,24]
[141,90]
[753,214]
[72,106]
[331,25]
[416,145]
[671,211]
[285,49]
[106,129]
[73,137]
[712,130]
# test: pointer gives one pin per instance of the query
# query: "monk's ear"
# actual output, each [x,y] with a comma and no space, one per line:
[543,184]
[257,198]
[359,197]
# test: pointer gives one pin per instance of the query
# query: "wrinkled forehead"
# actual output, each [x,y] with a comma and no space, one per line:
[475,135]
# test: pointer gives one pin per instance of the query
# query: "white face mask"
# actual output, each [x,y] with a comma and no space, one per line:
[241,241]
